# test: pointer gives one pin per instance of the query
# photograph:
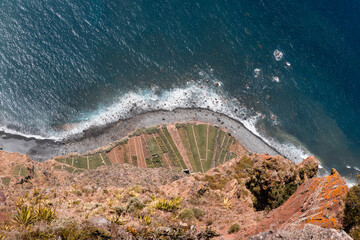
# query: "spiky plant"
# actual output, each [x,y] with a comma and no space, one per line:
[116,220]
[146,220]
[45,213]
[25,215]
[168,205]
[226,203]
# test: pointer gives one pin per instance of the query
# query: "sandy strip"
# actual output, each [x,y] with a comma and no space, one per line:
[97,137]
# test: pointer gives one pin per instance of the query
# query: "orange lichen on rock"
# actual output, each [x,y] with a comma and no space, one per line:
[317,201]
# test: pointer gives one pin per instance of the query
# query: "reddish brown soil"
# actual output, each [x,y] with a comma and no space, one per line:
[139,152]
[146,151]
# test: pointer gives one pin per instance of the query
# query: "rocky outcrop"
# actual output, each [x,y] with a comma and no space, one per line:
[319,201]
[272,180]
[309,231]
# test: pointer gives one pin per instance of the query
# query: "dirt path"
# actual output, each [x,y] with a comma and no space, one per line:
[167,160]
[103,160]
[207,142]
[140,153]
[197,147]
[223,141]
[178,143]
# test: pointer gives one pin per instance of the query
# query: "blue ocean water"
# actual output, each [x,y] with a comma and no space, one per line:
[67,65]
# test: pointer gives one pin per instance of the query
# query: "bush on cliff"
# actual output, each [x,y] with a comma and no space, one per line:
[352,210]
[270,197]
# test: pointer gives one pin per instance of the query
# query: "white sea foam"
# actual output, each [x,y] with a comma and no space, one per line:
[193,95]
[34,136]
[278,55]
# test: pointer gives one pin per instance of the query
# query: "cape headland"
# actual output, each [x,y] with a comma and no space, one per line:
[184,180]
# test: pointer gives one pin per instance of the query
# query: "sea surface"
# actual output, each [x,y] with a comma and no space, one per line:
[68,65]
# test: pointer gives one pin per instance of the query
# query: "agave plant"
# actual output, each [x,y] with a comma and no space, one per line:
[226,203]
[45,213]
[25,215]
[116,220]
[168,205]
[146,220]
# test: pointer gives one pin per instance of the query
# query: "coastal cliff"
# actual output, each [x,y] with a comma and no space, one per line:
[101,195]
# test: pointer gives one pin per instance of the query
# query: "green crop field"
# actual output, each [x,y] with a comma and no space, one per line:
[201,139]
[173,146]
[126,154]
[60,160]
[69,169]
[20,171]
[95,161]
[193,147]
[202,144]
[184,139]
[154,162]
[172,155]
[106,159]
[80,162]
[153,147]
[6,181]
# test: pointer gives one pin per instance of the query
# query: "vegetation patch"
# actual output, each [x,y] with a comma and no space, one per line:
[185,141]
[215,182]
[234,228]
[20,170]
[186,214]
[154,162]
[133,204]
[80,162]
[201,135]
[351,221]
[95,161]
[267,195]
[168,205]
[153,147]
[6,180]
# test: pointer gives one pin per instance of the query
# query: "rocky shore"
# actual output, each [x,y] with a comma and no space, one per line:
[96,137]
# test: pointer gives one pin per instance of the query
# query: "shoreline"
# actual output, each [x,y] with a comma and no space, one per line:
[100,136]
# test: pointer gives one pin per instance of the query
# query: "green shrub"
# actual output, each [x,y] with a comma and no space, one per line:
[355,233]
[215,182]
[186,214]
[234,228]
[120,210]
[352,209]
[36,234]
[134,204]
[198,213]
[74,232]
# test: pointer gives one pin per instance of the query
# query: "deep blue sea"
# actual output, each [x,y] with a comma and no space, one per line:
[80,63]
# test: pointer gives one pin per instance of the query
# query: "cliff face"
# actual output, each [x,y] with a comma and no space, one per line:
[120,200]
[319,201]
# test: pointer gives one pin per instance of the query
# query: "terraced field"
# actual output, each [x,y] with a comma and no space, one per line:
[195,147]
